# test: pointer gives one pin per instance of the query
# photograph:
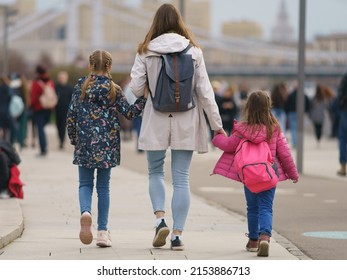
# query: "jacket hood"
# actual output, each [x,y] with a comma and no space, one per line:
[245,131]
[168,43]
[99,89]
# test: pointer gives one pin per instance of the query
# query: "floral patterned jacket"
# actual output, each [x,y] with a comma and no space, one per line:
[93,125]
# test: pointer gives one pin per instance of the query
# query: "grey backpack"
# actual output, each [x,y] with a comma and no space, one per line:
[174,88]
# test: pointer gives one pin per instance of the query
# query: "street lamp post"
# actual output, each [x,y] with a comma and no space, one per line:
[300,97]
[181,8]
[7,12]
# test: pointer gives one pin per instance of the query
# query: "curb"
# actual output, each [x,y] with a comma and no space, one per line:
[12,222]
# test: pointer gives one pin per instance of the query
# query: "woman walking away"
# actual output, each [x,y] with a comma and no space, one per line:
[259,125]
[93,128]
[182,131]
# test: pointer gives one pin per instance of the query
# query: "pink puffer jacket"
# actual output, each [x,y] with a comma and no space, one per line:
[278,145]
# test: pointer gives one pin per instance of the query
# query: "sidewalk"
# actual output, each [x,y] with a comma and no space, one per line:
[45,224]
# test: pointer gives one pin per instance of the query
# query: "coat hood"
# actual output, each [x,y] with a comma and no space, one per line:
[168,43]
[256,136]
[99,89]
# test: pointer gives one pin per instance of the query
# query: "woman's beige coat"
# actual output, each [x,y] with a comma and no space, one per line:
[182,130]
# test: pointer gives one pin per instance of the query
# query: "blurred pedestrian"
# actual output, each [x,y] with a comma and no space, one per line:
[342,133]
[94,129]
[19,87]
[6,121]
[318,108]
[259,125]
[227,108]
[290,108]
[279,95]
[184,132]
[40,114]
[64,91]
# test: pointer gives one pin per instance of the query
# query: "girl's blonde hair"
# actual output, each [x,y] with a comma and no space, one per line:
[100,61]
[258,112]
[167,19]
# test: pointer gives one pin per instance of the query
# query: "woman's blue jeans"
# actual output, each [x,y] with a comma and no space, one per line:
[180,164]
[259,212]
[86,185]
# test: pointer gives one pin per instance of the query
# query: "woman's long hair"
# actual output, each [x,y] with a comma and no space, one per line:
[258,112]
[167,19]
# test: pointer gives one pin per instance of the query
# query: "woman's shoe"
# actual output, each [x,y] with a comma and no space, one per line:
[86,235]
[252,245]
[104,239]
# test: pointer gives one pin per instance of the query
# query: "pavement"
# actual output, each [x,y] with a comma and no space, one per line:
[45,224]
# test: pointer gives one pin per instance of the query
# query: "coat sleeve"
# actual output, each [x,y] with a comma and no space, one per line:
[130,111]
[71,120]
[205,94]
[138,76]
[226,144]
[285,158]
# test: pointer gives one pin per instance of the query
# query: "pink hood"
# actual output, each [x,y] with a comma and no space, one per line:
[278,145]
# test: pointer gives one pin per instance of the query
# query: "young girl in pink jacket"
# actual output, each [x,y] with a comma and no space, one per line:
[259,125]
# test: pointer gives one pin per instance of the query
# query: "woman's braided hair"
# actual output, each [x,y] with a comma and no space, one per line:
[100,61]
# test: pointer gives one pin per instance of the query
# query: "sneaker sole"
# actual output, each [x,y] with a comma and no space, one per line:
[160,239]
[86,235]
[103,244]
[263,250]
[177,248]
[252,249]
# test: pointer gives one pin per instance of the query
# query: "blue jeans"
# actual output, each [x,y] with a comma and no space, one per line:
[342,134]
[281,116]
[180,163]
[42,118]
[86,181]
[292,120]
[259,212]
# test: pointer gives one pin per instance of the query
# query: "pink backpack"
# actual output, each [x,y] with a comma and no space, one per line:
[255,166]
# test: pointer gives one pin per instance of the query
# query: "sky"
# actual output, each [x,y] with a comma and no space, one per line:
[323,16]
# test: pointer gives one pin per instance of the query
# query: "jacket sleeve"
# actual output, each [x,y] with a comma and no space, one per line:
[138,76]
[205,94]
[71,120]
[130,111]
[226,144]
[285,158]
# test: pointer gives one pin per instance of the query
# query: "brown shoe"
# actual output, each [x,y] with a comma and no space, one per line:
[86,235]
[264,244]
[252,245]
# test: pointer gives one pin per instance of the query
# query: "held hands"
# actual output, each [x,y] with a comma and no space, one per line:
[220,131]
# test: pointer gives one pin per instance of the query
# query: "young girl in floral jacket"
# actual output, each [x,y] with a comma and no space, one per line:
[94,129]
[259,125]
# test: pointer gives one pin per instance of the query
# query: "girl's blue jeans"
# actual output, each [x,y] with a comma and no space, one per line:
[259,212]
[86,185]
[180,164]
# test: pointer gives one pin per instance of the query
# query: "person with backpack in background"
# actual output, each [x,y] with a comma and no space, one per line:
[94,130]
[20,88]
[259,127]
[183,127]
[41,113]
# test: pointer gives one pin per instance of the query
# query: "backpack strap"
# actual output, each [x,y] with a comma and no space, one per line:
[177,83]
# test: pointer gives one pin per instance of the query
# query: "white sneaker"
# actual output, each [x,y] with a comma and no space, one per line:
[4,194]
[86,235]
[104,239]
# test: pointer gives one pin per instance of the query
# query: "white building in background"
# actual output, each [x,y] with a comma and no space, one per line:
[282,32]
